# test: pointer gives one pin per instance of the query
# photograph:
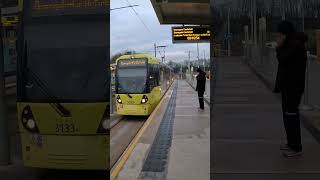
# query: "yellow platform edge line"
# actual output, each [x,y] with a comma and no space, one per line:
[125,156]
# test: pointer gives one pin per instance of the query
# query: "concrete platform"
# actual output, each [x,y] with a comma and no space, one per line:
[248,130]
[190,149]
[189,153]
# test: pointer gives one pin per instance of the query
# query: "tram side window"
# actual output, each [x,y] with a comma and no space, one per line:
[10,33]
[154,76]
[161,74]
[167,76]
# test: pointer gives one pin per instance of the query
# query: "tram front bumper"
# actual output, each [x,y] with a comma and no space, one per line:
[66,152]
[134,110]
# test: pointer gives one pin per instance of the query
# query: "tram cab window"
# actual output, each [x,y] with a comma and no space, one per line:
[10,33]
[154,76]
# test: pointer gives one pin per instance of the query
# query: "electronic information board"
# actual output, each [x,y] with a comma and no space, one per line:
[191,34]
[68,7]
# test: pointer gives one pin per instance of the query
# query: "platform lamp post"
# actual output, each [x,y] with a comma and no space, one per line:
[198,55]
[4,135]
[189,64]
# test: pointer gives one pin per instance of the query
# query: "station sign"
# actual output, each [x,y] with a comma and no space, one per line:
[191,34]
[227,36]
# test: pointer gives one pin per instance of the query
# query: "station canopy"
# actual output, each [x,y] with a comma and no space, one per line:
[270,8]
[189,12]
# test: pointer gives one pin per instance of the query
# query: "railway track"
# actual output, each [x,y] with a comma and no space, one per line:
[122,133]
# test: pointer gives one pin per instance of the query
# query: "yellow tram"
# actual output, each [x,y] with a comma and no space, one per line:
[141,81]
[62,89]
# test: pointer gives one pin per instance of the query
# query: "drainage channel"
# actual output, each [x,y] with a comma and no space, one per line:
[155,166]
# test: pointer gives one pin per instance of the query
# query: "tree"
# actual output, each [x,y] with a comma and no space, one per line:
[117,55]
[171,64]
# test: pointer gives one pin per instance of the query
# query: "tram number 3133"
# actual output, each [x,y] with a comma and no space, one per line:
[66,128]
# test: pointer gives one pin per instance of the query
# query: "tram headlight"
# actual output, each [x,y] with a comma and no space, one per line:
[104,126]
[28,121]
[119,99]
[31,123]
[144,99]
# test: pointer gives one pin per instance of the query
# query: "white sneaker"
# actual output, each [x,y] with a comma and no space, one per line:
[284,147]
[200,110]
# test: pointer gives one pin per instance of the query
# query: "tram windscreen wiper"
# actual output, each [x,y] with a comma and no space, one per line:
[129,96]
[59,108]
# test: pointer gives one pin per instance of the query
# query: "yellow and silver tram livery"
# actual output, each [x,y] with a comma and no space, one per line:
[141,81]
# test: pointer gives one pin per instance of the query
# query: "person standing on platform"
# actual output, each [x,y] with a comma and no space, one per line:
[201,87]
[292,57]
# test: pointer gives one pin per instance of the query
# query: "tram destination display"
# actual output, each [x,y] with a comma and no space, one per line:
[68,7]
[191,34]
[131,62]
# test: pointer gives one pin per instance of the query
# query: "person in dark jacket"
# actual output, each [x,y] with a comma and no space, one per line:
[292,57]
[201,87]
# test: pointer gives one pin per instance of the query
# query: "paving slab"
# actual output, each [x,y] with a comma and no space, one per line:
[190,149]
[247,129]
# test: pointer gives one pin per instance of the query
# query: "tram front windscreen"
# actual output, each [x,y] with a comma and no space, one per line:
[65,51]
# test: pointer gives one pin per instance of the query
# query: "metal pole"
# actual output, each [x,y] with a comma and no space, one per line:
[255,20]
[302,12]
[282,10]
[4,134]
[229,43]
[111,99]
[181,70]
[164,55]
[189,65]
[251,21]
[155,50]
[306,106]
[204,60]
[198,55]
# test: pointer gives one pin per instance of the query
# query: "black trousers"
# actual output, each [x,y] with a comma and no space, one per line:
[201,100]
[291,118]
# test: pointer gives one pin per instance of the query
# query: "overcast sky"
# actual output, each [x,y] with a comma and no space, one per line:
[128,32]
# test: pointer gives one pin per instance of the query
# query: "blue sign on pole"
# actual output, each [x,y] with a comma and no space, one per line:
[227,36]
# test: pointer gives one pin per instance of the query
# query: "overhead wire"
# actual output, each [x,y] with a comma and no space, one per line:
[144,24]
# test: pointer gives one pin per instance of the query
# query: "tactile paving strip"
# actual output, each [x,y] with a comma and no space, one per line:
[156,162]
